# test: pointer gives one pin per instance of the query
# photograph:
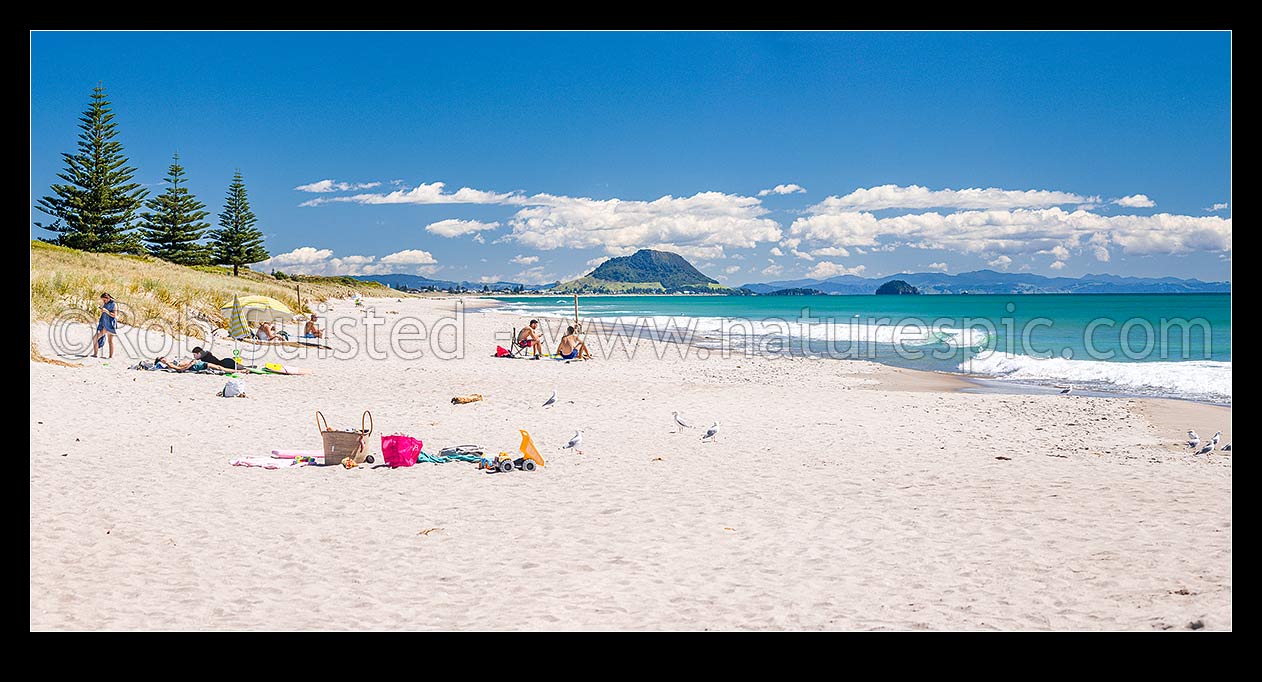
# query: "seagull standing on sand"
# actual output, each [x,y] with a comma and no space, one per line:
[1209,447]
[1194,441]
[575,443]
[1214,441]
[1068,390]
[1227,448]
[680,421]
[551,399]
[712,433]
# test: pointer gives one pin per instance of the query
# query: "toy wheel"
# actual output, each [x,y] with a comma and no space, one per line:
[528,465]
[370,459]
[506,466]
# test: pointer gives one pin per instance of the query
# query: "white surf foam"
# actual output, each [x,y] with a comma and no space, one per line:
[1200,379]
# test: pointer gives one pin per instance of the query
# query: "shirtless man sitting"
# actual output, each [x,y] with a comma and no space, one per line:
[529,337]
[572,347]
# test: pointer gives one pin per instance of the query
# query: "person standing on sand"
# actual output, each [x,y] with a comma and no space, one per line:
[107,326]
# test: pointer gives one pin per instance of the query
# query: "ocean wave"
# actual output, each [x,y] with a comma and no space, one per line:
[738,331]
[1201,379]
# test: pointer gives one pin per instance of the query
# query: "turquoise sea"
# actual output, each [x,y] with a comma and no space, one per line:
[1174,345]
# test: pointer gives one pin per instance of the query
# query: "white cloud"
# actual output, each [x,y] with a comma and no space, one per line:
[831,252]
[1057,265]
[409,257]
[1214,208]
[1059,251]
[323,186]
[302,255]
[1135,201]
[938,267]
[1101,254]
[455,228]
[1002,262]
[915,196]
[775,251]
[308,260]
[489,279]
[772,270]
[783,189]
[731,269]
[1021,231]
[825,269]
[524,260]
[802,254]
[594,263]
[426,193]
[536,275]
[706,222]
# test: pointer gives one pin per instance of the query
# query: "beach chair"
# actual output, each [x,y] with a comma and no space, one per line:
[517,349]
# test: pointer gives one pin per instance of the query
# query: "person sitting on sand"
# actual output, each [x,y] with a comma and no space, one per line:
[572,347]
[264,332]
[529,337]
[311,331]
[208,358]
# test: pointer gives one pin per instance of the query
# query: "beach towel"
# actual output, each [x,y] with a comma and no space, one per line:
[426,458]
[399,450]
[266,462]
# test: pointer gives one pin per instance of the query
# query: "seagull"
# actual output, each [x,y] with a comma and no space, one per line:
[712,433]
[1214,440]
[680,421]
[575,442]
[1226,448]
[1068,390]
[1194,441]
[551,399]
[1209,447]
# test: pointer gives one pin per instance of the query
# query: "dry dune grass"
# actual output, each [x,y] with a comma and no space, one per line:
[151,292]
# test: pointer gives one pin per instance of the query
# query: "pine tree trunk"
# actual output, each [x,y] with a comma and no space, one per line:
[234,271]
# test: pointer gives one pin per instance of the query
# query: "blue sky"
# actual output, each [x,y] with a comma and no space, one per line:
[1086,152]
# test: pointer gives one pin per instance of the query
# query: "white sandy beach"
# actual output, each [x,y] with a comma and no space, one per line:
[840,495]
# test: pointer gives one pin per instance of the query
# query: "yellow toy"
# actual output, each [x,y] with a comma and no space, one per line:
[530,458]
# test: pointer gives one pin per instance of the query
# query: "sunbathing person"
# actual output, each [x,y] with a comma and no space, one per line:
[311,331]
[572,347]
[264,331]
[529,337]
[208,358]
[182,365]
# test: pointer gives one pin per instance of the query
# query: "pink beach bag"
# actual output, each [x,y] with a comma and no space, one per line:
[399,450]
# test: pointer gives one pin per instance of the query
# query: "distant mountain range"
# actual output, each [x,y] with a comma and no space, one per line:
[417,282]
[992,282]
[661,272]
[644,272]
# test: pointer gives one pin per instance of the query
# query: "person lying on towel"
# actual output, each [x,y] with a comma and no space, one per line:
[572,347]
[529,337]
[182,365]
[208,358]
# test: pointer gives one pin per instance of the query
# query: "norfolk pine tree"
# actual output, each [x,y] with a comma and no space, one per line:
[173,227]
[237,242]
[95,209]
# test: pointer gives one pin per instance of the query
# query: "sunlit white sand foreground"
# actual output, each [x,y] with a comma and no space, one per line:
[840,495]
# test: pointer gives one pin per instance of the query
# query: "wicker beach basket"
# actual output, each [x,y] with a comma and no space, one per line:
[339,445]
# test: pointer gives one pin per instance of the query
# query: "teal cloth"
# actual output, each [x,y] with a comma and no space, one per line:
[426,458]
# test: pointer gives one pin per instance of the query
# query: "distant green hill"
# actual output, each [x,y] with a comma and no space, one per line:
[645,271]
